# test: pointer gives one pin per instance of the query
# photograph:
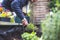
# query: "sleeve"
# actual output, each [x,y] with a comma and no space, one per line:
[16,8]
[4,4]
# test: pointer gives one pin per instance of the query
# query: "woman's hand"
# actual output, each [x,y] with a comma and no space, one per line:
[33,0]
[24,22]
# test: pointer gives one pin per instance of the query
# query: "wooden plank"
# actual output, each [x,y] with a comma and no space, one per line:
[8,23]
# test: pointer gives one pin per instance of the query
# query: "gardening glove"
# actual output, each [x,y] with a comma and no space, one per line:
[24,22]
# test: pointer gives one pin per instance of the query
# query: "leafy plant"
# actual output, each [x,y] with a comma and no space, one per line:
[31,26]
[51,24]
[53,4]
[30,36]
[51,27]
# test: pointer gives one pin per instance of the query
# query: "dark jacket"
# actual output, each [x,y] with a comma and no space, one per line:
[16,6]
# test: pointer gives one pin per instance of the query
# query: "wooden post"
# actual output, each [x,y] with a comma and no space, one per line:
[39,10]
